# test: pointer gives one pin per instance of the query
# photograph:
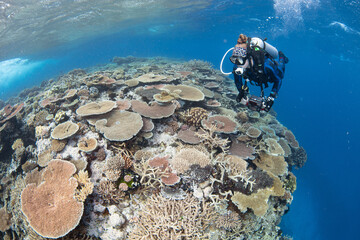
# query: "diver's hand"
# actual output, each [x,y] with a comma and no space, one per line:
[243,93]
[239,71]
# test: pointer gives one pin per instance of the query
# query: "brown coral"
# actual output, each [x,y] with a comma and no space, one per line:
[256,201]
[64,130]
[95,108]
[87,144]
[290,137]
[154,111]
[274,164]
[222,123]
[194,116]
[50,208]
[242,150]
[120,126]
[58,145]
[12,113]
[187,157]
[5,220]
[185,92]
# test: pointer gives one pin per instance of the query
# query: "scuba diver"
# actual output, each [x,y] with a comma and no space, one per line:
[254,61]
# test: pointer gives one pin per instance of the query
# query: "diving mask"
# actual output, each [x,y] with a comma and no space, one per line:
[239,56]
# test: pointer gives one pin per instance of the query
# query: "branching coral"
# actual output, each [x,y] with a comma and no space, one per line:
[150,176]
[161,218]
[210,139]
[109,192]
[85,187]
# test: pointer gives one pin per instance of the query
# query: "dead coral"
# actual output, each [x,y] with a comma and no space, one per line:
[161,218]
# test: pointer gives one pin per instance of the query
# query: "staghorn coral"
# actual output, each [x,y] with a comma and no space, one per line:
[210,139]
[150,176]
[167,176]
[53,198]
[194,116]
[161,218]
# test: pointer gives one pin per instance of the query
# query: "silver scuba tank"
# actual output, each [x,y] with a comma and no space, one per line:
[265,46]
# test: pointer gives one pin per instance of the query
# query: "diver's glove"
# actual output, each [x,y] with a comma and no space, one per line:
[282,56]
[239,71]
[243,93]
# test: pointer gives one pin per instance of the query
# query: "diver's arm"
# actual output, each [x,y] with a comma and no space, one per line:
[276,87]
[237,78]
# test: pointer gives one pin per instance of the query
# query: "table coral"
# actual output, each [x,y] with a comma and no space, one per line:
[50,208]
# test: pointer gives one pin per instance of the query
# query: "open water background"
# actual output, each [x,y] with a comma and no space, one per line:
[41,39]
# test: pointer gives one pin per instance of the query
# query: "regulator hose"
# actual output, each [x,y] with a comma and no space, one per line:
[222,60]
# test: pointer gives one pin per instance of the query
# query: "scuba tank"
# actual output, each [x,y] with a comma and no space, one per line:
[257,42]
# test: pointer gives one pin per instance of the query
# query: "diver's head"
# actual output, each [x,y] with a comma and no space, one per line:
[238,56]
[242,39]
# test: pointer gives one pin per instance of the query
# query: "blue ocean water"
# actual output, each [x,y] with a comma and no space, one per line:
[318,100]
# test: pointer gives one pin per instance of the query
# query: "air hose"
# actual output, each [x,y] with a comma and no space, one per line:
[222,60]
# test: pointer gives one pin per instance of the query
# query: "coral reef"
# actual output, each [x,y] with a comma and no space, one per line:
[144,150]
